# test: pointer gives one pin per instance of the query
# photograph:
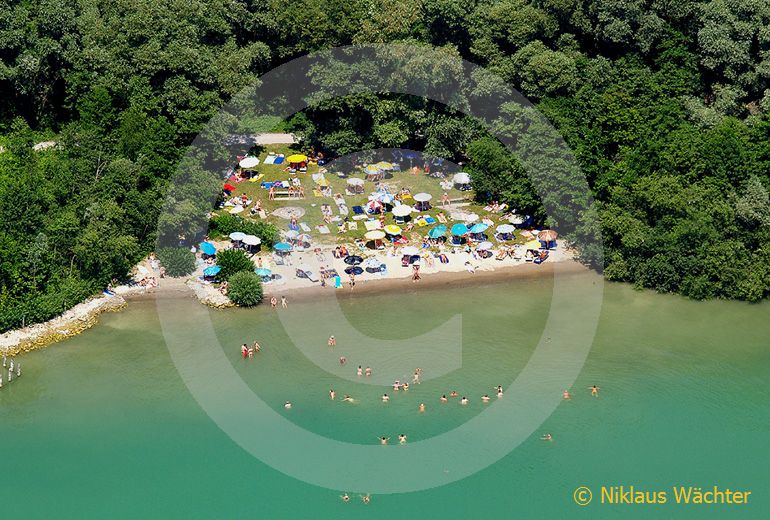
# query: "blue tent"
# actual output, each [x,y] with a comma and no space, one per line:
[438,231]
[478,228]
[208,248]
[459,229]
[282,246]
[212,271]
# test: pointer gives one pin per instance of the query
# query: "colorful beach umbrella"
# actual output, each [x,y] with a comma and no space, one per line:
[296,158]
[385,198]
[212,271]
[392,229]
[461,178]
[459,230]
[384,165]
[478,228]
[437,232]
[532,244]
[372,168]
[248,162]
[282,246]
[208,248]
[375,234]
[547,235]
[402,210]
[263,271]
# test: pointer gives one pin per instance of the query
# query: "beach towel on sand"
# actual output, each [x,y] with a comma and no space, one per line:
[323,229]
[270,159]
[278,160]
[304,227]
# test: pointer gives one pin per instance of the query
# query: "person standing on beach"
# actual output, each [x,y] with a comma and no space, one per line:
[18,370]
[352,281]
[284,303]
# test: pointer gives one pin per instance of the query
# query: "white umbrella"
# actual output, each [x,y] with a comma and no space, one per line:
[484,246]
[375,235]
[402,210]
[423,197]
[471,217]
[292,233]
[356,182]
[516,219]
[505,228]
[248,162]
[251,240]
[410,250]
[237,236]
[461,178]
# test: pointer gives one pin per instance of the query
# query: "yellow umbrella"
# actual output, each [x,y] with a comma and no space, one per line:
[375,235]
[532,244]
[372,168]
[392,229]
[384,165]
[296,158]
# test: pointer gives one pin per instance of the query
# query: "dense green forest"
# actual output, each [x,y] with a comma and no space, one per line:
[664,103]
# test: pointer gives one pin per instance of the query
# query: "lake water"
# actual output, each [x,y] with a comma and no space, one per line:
[116,423]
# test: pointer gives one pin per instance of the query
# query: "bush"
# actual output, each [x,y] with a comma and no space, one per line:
[178,261]
[245,289]
[233,261]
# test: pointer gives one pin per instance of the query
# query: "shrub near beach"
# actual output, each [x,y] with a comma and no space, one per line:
[245,289]
[178,261]
[233,261]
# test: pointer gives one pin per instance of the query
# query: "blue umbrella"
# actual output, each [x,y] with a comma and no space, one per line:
[459,230]
[208,248]
[478,228]
[263,271]
[282,246]
[438,231]
[212,271]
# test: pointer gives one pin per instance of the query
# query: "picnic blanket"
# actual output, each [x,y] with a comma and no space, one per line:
[304,227]
[371,225]
[256,178]
[343,209]
[270,159]
[279,159]
[323,229]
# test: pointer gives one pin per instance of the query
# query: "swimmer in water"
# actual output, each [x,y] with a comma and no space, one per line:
[416,378]
[368,371]
[485,398]
[547,437]
[453,394]
[332,341]
[594,390]
[244,351]
[257,347]
[396,385]
[385,398]
[402,439]
[464,400]
[332,394]
[343,360]
[499,391]
[287,405]
[566,395]
[405,386]
[443,399]
[345,497]
[347,399]
[360,371]
[365,499]
[384,440]
[421,407]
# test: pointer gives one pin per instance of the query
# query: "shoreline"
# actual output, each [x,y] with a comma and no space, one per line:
[85,315]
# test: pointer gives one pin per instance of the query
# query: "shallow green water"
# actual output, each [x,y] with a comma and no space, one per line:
[104,426]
